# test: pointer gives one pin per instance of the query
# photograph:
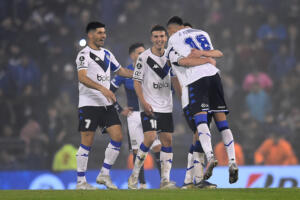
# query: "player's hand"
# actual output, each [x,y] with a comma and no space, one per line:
[212,61]
[126,111]
[109,95]
[148,109]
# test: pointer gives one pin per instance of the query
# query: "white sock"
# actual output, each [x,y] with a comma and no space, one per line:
[229,144]
[111,154]
[166,159]
[198,166]
[189,174]
[140,158]
[82,157]
[205,139]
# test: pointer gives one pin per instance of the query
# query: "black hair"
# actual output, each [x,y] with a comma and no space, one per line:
[135,46]
[158,27]
[187,24]
[175,20]
[93,26]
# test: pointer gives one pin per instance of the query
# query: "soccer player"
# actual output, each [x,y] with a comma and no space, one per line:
[152,83]
[94,65]
[204,88]
[134,116]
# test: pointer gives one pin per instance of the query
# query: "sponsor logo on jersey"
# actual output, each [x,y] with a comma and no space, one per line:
[204,105]
[155,66]
[160,85]
[103,78]
[97,58]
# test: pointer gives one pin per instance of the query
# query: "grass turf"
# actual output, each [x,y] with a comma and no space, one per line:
[230,194]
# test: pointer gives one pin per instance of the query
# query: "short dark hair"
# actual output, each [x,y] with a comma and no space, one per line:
[175,20]
[158,27]
[93,26]
[135,46]
[187,24]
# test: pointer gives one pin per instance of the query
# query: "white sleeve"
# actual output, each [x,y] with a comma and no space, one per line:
[139,70]
[174,57]
[82,60]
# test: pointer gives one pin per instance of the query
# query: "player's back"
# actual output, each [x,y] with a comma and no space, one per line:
[182,42]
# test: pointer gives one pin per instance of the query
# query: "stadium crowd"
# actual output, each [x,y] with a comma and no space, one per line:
[38,81]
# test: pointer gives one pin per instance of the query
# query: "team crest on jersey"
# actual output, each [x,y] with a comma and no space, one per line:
[139,66]
[81,58]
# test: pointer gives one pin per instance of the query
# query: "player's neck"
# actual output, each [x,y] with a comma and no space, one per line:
[157,52]
[93,46]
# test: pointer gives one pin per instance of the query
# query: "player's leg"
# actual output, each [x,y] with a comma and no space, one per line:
[149,125]
[199,105]
[136,136]
[219,109]
[87,126]
[155,148]
[113,124]
[165,124]
[222,125]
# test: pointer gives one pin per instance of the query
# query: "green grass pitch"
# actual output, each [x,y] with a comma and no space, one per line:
[226,194]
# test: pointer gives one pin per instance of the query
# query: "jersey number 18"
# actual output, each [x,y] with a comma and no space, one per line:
[201,42]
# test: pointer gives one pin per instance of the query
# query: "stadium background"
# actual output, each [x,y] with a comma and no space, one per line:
[38,81]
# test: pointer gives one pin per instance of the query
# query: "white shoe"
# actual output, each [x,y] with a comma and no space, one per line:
[132,182]
[212,163]
[143,186]
[85,186]
[168,185]
[105,180]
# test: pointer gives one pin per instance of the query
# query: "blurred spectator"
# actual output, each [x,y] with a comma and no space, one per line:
[260,78]
[258,102]
[272,33]
[275,151]
[65,158]
[221,155]
[281,63]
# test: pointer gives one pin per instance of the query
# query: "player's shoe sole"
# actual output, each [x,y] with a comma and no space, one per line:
[209,169]
[233,173]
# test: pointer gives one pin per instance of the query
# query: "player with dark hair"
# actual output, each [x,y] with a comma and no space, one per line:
[132,112]
[203,89]
[152,83]
[94,65]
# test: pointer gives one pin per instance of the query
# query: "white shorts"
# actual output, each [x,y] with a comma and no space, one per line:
[136,131]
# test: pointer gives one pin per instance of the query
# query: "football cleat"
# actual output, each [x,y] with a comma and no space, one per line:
[205,184]
[168,185]
[85,186]
[233,173]
[209,168]
[105,180]
[132,182]
[187,185]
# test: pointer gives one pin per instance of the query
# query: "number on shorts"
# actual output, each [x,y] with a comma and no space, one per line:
[153,123]
[87,123]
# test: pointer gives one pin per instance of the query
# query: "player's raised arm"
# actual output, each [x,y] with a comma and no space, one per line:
[84,79]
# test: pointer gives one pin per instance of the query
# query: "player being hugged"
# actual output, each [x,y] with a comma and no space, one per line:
[94,65]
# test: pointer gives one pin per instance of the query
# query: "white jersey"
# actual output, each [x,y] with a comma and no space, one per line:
[180,45]
[99,64]
[155,75]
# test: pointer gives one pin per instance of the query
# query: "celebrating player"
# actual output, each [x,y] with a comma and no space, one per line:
[134,116]
[94,65]
[203,88]
[152,83]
